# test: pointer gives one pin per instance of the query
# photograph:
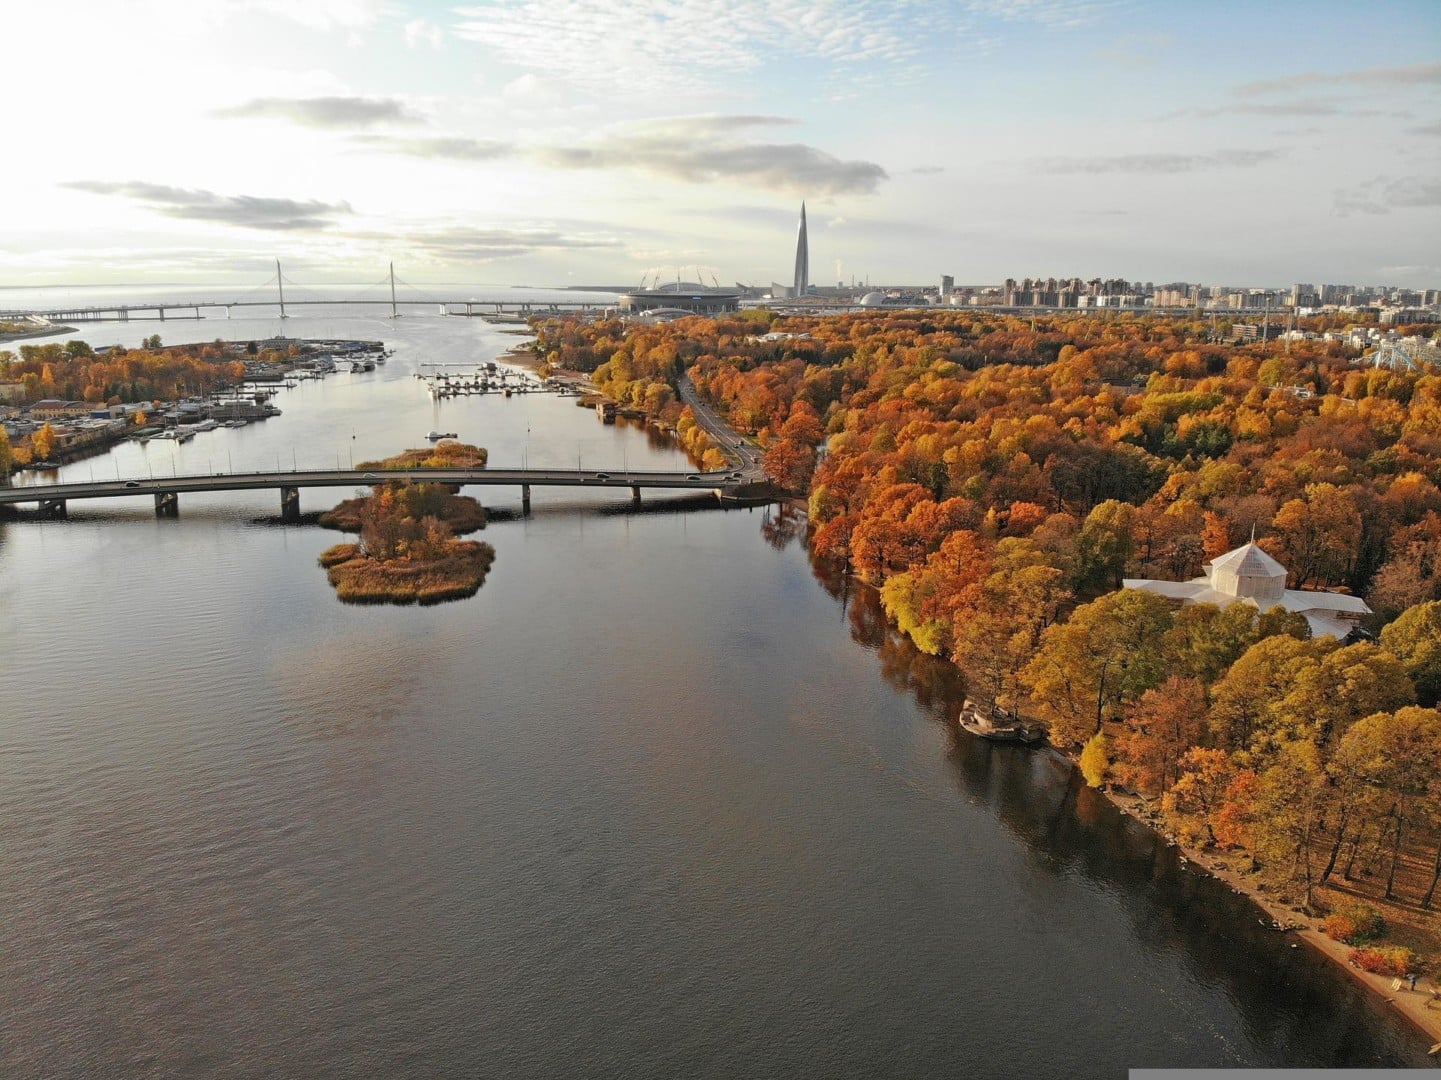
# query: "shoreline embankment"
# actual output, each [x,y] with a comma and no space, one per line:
[39,331]
[1413,1006]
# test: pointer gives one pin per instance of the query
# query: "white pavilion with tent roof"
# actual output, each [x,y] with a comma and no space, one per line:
[1248,575]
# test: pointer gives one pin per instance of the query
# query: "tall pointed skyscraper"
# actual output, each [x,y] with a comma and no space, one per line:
[803,258]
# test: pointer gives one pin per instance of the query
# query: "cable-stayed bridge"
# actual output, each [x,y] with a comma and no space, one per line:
[272,294]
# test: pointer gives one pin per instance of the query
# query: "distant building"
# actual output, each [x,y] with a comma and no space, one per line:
[680,299]
[1248,575]
[56,409]
[1408,315]
[803,259]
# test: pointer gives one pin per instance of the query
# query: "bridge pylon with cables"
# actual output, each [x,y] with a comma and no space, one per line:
[1399,357]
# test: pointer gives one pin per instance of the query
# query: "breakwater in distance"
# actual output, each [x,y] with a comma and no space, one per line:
[664,798]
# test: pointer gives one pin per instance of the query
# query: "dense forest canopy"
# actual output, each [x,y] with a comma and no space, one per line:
[73,371]
[998,477]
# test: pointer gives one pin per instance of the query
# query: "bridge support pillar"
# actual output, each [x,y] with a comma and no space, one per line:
[124,314]
[162,313]
[525,498]
[635,496]
[289,504]
[53,508]
[167,504]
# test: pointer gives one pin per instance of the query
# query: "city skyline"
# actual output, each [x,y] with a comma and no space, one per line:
[590,141]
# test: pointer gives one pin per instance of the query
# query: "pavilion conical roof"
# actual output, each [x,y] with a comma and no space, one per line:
[1248,560]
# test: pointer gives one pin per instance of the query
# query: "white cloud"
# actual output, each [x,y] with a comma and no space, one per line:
[530,89]
[351,15]
[1383,194]
[419,32]
[249,211]
[440,147]
[693,149]
[669,46]
[1404,75]
[1062,13]
[327,112]
[459,243]
[1143,164]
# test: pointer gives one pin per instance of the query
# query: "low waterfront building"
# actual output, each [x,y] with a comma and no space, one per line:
[1248,575]
[55,409]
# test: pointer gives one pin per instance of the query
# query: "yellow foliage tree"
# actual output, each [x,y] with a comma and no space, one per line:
[1096,760]
[43,442]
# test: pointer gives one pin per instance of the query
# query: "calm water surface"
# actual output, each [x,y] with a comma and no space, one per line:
[662,800]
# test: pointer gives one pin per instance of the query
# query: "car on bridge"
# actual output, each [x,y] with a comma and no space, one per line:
[602,476]
[132,483]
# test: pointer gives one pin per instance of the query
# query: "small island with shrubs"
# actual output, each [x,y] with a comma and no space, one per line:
[408,552]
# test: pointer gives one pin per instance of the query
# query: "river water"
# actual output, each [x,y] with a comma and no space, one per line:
[663,799]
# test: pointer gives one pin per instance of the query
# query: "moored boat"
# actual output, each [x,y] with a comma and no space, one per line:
[988,725]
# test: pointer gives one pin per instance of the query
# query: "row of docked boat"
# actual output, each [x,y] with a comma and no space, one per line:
[186,432]
[366,359]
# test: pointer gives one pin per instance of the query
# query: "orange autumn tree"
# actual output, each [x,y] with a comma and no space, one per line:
[1212,800]
[1167,722]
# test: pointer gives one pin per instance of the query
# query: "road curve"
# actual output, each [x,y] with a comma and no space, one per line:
[732,445]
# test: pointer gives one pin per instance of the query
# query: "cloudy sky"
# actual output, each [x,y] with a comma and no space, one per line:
[582,141]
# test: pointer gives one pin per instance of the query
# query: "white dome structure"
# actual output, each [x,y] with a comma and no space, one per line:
[1248,573]
[873,299]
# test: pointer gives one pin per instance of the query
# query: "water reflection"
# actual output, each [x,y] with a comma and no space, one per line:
[652,798]
[782,524]
[1286,990]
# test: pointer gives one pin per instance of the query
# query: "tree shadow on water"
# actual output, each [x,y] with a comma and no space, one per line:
[1297,1006]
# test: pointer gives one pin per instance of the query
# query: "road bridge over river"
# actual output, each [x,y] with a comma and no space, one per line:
[516,309]
[52,499]
[161,310]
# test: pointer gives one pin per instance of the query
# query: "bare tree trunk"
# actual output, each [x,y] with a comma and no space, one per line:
[1377,845]
[1395,855]
[1355,847]
[1307,867]
[1435,876]
[1336,847]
